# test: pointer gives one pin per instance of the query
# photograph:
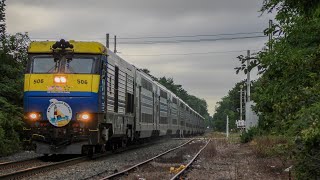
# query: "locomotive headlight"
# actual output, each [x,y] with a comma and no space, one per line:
[57,79]
[60,79]
[83,117]
[63,79]
[34,116]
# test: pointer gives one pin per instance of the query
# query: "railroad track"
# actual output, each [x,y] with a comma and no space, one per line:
[179,174]
[127,170]
[12,164]
[26,172]
[33,166]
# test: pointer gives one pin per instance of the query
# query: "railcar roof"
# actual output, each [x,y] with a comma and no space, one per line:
[78,47]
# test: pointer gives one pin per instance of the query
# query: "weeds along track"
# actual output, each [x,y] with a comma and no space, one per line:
[162,166]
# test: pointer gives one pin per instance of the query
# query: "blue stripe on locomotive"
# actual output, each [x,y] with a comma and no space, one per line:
[39,101]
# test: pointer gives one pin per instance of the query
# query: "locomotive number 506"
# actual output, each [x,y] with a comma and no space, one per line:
[80,81]
[38,81]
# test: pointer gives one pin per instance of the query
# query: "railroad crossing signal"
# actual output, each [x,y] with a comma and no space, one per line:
[240,123]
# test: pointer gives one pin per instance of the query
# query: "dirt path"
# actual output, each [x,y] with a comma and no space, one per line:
[225,160]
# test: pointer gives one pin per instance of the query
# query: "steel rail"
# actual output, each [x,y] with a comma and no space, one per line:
[196,138]
[144,162]
[42,168]
[5,165]
[125,149]
[35,170]
[190,162]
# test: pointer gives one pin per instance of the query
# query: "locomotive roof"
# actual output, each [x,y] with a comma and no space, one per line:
[78,47]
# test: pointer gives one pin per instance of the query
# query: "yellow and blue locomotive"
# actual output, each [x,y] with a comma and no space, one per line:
[80,97]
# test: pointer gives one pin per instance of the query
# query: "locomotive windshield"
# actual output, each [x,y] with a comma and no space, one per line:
[43,65]
[79,64]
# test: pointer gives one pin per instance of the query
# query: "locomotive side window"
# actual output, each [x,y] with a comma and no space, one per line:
[43,65]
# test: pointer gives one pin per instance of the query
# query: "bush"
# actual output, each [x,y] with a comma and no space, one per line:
[273,146]
[247,136]
[307,154]
[10,123]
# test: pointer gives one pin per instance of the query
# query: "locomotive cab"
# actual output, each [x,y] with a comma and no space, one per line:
[61,96]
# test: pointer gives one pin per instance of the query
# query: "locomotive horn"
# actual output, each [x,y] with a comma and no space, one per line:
[63,44]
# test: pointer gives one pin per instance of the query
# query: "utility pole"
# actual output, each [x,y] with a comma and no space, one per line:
[107,40]
[248,76]
[270,35]
[241,102]
[115,44]
[245,96]
[227,127]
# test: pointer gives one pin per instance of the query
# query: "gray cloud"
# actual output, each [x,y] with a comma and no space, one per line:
[158,8]
[207,76]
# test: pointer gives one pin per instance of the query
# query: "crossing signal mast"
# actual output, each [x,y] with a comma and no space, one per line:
[240,123]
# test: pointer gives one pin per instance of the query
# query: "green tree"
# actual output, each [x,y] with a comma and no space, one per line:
[13,59]
[228,106]
[2,20]
[147,71]
[175,88]
[287,94]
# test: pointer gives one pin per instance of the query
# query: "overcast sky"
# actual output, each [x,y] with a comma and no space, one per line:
[206,69]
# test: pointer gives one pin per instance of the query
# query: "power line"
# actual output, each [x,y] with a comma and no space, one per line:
[190,40]
[184,54]
[167,37]
[186,36]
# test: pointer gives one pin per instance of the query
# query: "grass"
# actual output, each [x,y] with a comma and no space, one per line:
[234,137]
[270,146]
[276,147]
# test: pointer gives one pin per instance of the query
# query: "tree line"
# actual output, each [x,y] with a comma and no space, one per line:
[228,106]
[287,92]
[13,58]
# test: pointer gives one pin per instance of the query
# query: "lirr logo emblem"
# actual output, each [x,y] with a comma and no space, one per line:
[59,113]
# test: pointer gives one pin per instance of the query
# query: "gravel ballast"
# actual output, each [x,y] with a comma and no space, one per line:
[19,156]
[111,163]
[165,167]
